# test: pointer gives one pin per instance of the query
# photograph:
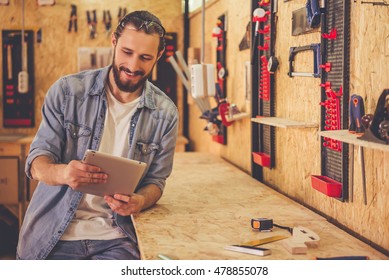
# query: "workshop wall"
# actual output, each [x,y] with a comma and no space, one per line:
[56,55]
[238,148]
[298,154]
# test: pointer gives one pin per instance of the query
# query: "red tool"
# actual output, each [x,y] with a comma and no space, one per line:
[224,109]
[331,36]
[332,122]
[264,85]
[327,66]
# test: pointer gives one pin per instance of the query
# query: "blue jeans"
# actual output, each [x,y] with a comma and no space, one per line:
[115,249]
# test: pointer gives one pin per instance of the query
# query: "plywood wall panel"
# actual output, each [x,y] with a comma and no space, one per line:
[238,148]
[298,150]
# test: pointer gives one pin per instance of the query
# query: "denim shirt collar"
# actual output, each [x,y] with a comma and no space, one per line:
[98,88]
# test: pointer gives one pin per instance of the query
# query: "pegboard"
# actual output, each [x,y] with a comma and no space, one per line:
[18,107]
[263,39]
[335,90]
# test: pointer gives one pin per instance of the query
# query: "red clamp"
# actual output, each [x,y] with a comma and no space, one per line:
[264,47]
[331,36]
[326,85]
[266,29]
[327,66]
[223,112]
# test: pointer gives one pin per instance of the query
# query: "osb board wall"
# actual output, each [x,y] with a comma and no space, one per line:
[238,148]
[298,150]
[56,55]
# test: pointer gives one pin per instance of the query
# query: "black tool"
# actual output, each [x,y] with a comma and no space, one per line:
[357,111]
[92,24]
[122,12]
[107,19]
[316,60]
[313,13]
[345,258]
[73,19]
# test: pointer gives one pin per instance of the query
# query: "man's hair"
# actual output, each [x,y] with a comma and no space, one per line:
[145,21]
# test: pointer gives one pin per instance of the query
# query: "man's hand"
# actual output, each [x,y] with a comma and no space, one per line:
[125,205]
[77,174]
[74,174]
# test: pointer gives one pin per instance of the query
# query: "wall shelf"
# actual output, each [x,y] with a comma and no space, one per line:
[346,137]
[283,123]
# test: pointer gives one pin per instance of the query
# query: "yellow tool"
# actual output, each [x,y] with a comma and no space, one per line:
[264,240]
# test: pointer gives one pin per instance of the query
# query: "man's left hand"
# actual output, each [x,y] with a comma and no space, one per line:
[125,205]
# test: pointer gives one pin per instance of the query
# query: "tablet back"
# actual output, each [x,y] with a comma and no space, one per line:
[123,174]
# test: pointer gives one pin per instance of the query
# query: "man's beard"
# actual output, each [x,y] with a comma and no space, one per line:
[128,86]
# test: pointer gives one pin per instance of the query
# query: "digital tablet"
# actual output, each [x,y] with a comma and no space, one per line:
[123,174]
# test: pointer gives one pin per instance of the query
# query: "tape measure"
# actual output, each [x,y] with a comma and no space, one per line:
[262,224]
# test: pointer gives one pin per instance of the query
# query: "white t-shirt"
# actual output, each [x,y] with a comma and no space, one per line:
[93,218]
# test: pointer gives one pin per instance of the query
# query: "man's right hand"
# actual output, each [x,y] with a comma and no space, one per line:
[74,174]
[77,173]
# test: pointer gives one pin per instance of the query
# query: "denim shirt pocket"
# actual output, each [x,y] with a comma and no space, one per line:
[145,151]
[78,137]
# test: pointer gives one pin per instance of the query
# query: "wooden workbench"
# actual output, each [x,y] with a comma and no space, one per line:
[208,204]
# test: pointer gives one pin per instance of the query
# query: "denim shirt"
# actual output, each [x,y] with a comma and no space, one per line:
[73,117]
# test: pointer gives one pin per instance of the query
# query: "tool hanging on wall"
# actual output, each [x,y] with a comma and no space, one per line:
[121,13]
[378,130]
[316,60]
[223,106]
[357,111]
[92,23]
[313,13]
[259,15]
[107,20]
[9,61]
[73,19]
[23,75]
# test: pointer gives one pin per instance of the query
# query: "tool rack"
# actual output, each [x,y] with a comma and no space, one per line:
[18,110]
[334,99]
[221,137]
[263,136]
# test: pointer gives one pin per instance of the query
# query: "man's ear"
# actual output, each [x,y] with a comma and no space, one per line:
[113,40]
